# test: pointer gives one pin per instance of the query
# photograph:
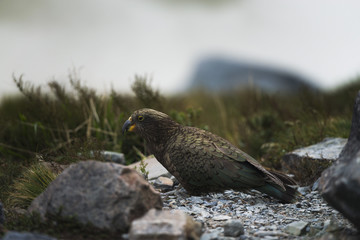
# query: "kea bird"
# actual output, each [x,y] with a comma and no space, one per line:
[204,162]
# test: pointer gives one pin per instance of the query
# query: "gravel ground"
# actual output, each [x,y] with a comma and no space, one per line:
[261,216]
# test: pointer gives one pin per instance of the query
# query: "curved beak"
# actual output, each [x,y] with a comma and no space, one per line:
[128,126]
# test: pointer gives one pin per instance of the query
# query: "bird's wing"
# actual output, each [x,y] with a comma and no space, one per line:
[211,159]
[237,155]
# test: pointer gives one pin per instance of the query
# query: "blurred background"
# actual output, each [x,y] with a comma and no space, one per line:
[180,44]
[72,72]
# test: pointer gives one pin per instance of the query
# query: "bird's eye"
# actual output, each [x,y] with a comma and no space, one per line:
[140,118]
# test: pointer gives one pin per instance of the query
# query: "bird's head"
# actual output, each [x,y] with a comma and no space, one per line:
[149,124]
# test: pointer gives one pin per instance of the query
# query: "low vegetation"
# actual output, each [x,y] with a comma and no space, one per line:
[30,185]
[62,126]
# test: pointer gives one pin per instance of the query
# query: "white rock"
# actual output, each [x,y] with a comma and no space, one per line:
[153,166]
[170,225]
[296,228]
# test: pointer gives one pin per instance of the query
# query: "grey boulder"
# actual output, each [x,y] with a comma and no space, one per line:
[309,162]
[107,195]
[340,183]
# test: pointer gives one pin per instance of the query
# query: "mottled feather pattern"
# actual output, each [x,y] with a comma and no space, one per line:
[204,162]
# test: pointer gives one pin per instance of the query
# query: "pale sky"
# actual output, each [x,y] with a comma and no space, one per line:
[109,42]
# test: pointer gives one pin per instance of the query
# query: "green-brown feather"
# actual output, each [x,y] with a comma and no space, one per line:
[204,162]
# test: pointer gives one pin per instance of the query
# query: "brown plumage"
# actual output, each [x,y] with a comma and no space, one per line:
[204,162]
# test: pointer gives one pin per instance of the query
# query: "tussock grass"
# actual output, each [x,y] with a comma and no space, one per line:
[65,125]
[30,185]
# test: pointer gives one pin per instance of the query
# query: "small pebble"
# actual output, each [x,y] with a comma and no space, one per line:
[164,183]
[233,228]
[221,218]
[269,233]
[261,217]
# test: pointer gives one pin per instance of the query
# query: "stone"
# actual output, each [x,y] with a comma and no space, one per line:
[165,224]
[331,225]
[2,215]
[303,190]
[315,186]
[233,228]
[11,235]
[164,184]
[328,149]
[221,217]
[113,157]
[341,235]
[221,74]
[296,228]
[308,163]
[269,233]
[340,183]
[108,195]
[261,217]
[210,236]
[154,167]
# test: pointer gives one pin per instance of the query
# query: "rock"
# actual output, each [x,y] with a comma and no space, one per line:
[221,217]
[315,186]
[113,157]
[262,217]
[330,225]
[308,163]
[270,233]
[340,183]
[10,235]
[233,228]
[296,228]
[165,225]
[329,236]
[329,149]
[2,215]
[340,235]
[303,190]
[154,167]
[221,74]
[164,184]
[108,156]
[210,236]
[108,195]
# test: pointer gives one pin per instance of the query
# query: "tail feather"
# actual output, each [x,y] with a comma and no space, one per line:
[287,196]
[284,178]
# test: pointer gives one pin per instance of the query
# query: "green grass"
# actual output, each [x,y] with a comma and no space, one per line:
[63,125]
[30,185]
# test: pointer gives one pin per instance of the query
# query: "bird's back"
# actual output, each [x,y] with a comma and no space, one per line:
[204,162]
